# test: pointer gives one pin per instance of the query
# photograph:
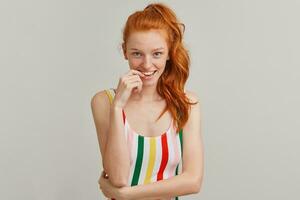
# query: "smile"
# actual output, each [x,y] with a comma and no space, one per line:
[149,73]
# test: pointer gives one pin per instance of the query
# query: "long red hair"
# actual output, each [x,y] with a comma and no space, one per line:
[171,83]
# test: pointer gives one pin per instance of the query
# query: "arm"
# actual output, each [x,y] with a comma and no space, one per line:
[109,125]
[182,184]
[190,180]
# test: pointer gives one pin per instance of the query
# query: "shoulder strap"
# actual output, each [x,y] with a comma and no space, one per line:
[111,94]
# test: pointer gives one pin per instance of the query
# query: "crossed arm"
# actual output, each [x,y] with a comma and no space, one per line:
[190,180]
[181,184]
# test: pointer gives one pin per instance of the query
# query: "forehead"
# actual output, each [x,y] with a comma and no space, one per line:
[147,39]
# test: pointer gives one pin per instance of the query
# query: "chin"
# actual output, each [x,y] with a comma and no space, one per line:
[152,83]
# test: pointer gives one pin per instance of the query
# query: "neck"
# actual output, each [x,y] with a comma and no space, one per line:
[147,94]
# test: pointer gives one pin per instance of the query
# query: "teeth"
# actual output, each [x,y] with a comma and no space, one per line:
[148,73]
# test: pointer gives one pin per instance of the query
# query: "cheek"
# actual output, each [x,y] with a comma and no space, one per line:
[135,62]
[161,63]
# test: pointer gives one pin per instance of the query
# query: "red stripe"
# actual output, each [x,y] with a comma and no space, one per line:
[123,116]
[165,157]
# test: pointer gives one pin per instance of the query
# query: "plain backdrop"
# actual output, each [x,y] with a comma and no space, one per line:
[56,54]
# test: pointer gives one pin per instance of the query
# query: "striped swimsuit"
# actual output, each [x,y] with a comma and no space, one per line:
[152,158]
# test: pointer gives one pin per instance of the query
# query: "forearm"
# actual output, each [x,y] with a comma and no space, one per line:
[116,156]
[182,184]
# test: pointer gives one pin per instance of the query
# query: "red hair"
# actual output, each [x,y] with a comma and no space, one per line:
[171,83]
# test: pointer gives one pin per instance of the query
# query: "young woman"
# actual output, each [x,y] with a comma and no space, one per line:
[148,128]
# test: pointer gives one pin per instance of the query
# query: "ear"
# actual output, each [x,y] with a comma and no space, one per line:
[124,51]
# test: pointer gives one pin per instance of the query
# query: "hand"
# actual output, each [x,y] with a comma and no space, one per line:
[116,193]
[129,82]
[109,190]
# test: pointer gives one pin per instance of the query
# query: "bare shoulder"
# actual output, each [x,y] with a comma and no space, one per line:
[193,97]
[100,106]
[193,154]
[195,108]
[99,100]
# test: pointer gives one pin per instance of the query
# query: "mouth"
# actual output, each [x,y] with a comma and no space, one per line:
[150,73]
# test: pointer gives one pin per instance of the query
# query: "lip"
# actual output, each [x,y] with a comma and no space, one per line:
[147,71]
[149,77]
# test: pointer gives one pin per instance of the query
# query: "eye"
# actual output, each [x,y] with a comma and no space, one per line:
[136,54]
[157,54]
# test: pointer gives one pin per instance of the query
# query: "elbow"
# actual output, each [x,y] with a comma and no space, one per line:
[118,182]
[197,184]
[115,179]
[117,175]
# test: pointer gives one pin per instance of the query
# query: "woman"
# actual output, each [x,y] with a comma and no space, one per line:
[149,127]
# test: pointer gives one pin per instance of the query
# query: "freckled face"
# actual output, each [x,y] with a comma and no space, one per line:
[147,52]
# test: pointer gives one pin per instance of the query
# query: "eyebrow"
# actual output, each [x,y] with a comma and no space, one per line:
[153,49]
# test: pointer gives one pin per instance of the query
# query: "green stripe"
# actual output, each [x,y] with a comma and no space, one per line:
[139,160]
[176,173]
[180,137]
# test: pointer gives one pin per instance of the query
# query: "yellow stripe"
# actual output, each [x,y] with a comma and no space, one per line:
[109,96]
[151,160]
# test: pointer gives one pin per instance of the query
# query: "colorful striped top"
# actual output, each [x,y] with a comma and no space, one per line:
[152,158]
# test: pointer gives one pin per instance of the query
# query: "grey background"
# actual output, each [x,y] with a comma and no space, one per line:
[55,55]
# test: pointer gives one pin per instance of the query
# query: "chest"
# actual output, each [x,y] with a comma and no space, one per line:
[142,118]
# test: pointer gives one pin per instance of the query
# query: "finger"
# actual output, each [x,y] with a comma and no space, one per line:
[105,188]
[100,179]
[140,85]
[106,194]
[133,77]
[138,80]
[130,85]
[133,71]
[137,89]
[135,84]
[102,182]
[129,77]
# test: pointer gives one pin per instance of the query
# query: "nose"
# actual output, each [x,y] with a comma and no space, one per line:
[147,62]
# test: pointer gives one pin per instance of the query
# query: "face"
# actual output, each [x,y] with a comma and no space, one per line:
[147,52]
